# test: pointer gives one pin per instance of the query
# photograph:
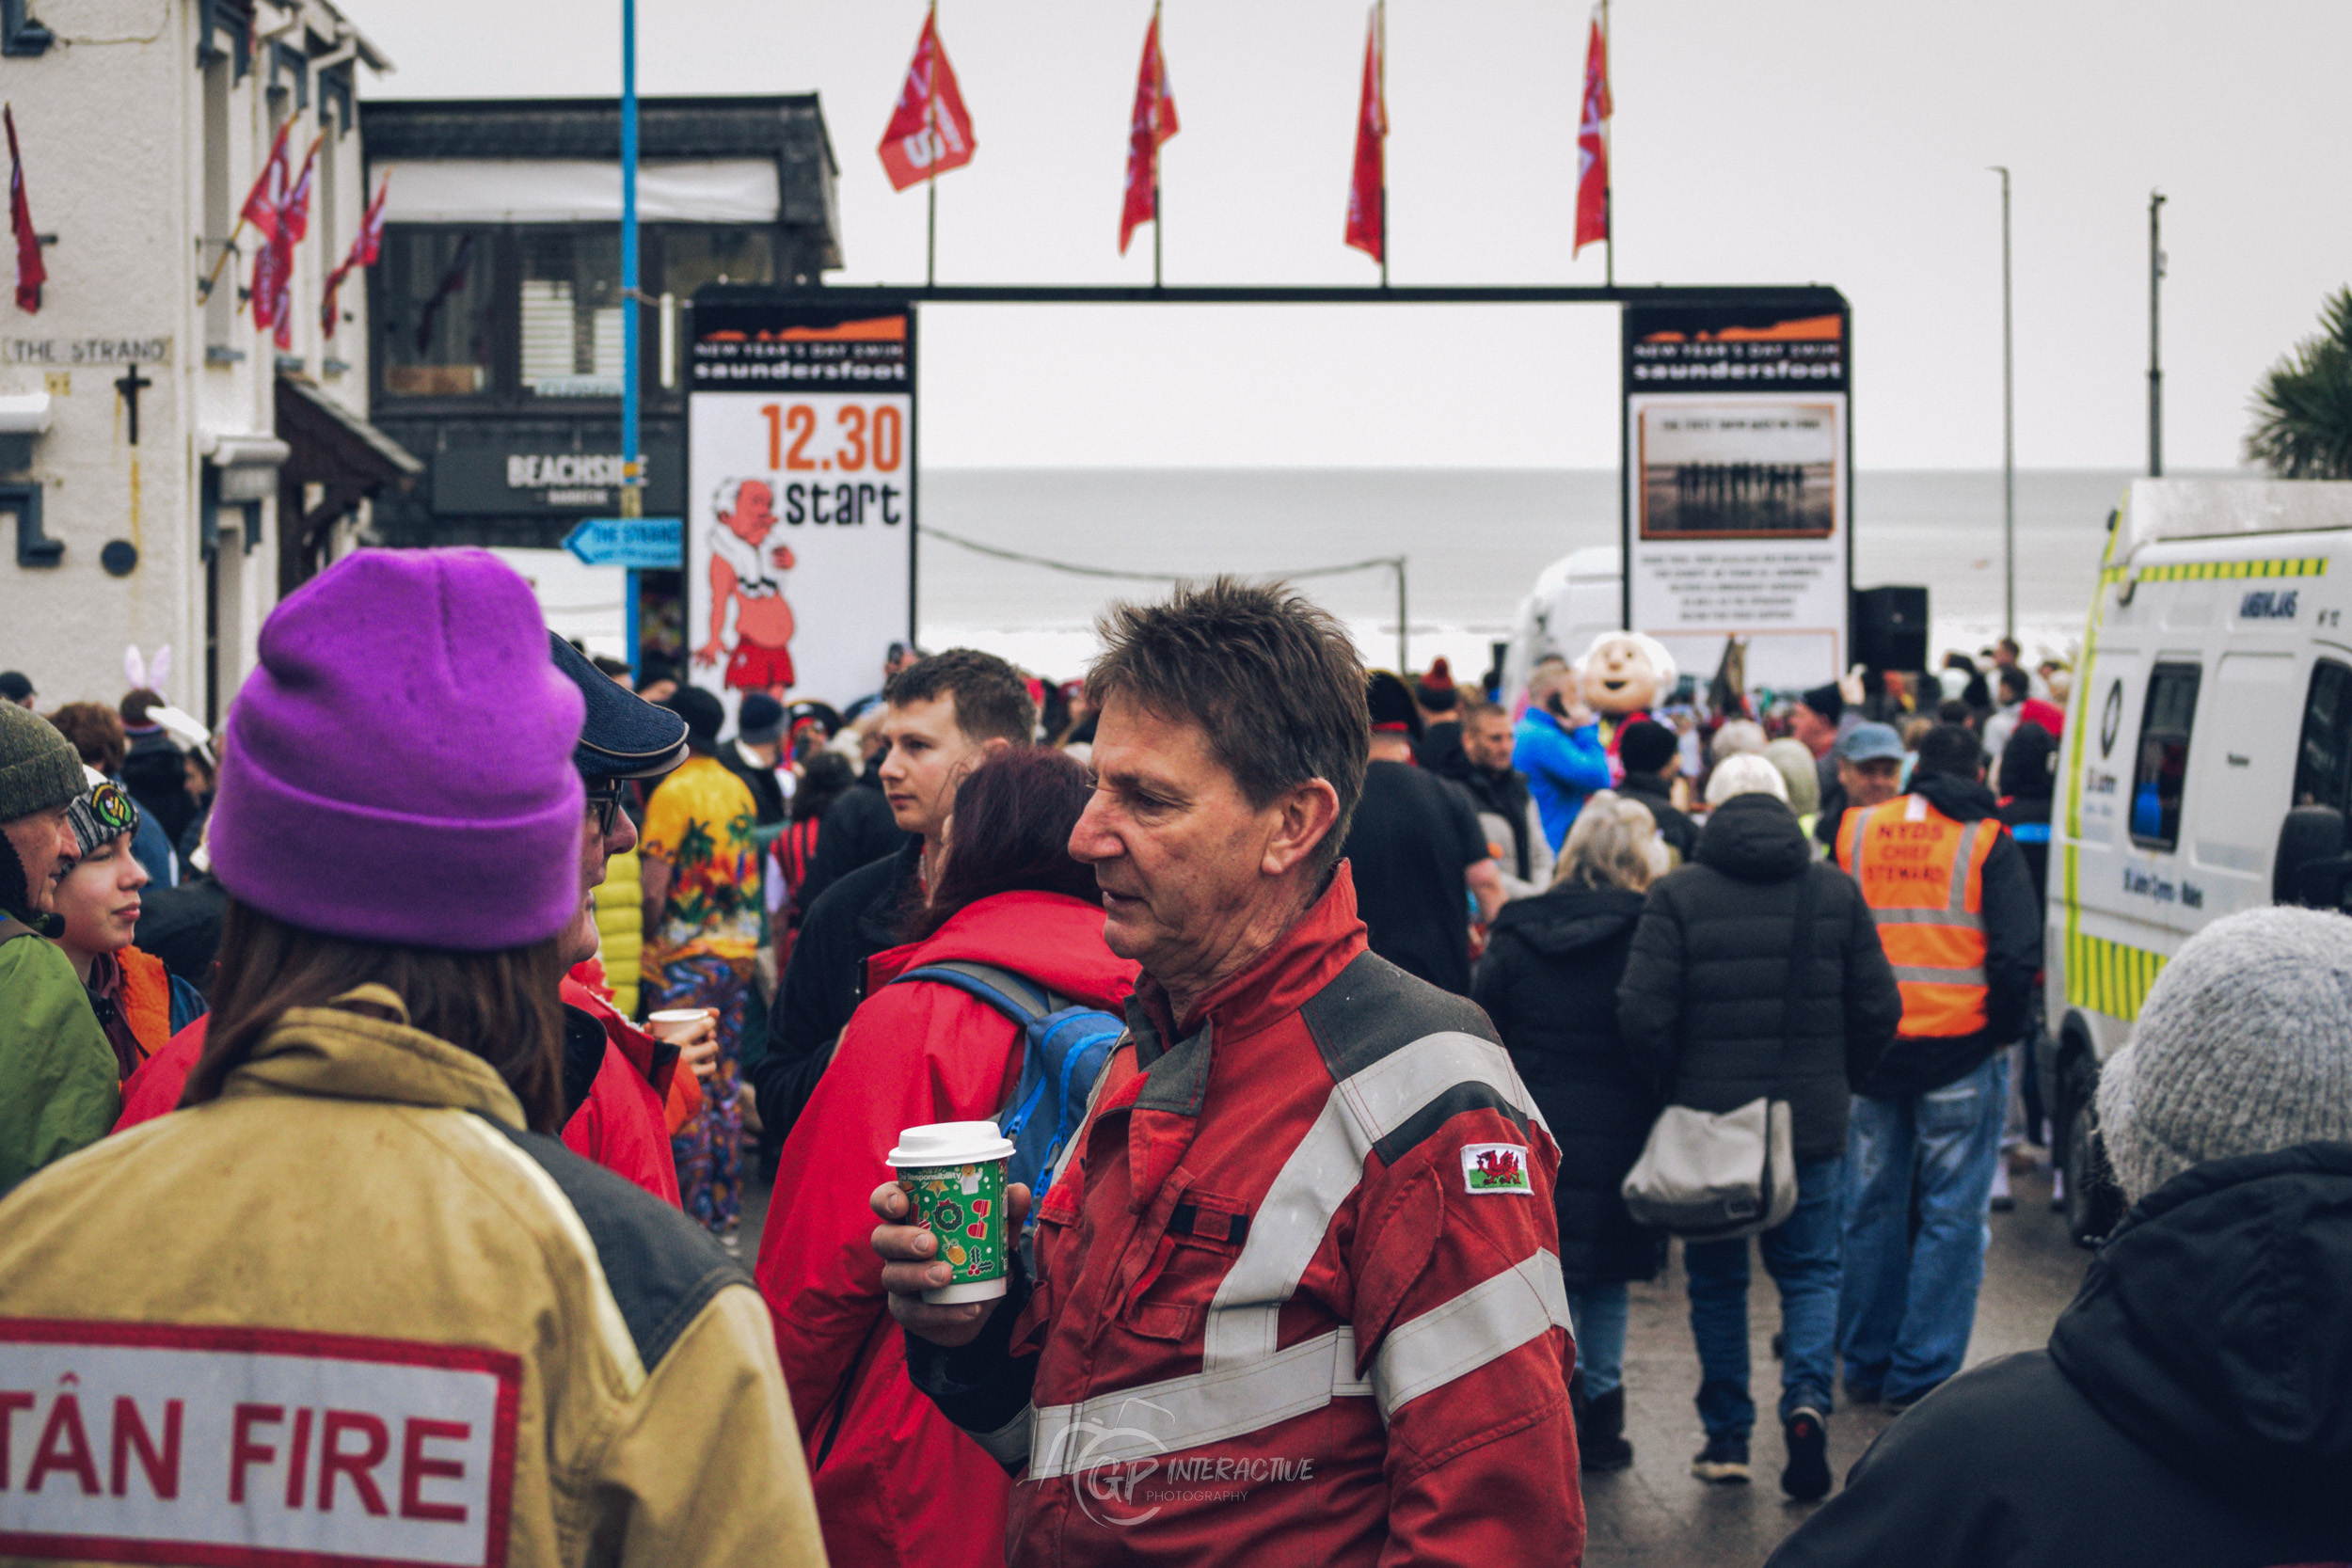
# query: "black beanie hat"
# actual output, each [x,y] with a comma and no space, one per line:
[1391,705]
[1644,746]
[1826,700]
[703,714]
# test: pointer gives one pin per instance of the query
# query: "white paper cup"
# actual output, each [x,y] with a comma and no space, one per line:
[953,1174]
[676,1024]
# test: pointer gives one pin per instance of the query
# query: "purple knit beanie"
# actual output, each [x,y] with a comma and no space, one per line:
[399,766]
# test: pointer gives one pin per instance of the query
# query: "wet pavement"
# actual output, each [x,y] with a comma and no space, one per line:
[1656,1514]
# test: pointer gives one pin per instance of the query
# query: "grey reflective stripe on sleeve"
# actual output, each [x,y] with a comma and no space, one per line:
[1180,1413]
[1483,1325]
[1326,1167]
[1920,974]
[1008,1445]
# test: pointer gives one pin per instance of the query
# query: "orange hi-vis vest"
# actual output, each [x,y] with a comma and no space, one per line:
[1922,873]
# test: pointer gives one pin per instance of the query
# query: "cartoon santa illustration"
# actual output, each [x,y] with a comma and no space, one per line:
[751,578]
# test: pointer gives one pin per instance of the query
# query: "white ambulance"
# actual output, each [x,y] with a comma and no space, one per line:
[2213,700]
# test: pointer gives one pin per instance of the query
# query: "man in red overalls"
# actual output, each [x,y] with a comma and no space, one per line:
[1297,1295]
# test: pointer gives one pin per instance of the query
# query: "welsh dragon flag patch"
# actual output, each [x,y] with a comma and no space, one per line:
[1495,1168]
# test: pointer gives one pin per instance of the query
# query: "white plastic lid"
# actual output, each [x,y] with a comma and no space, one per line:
[950,1143]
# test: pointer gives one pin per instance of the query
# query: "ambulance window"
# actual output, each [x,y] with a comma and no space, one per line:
[2323,765]
[2163,766]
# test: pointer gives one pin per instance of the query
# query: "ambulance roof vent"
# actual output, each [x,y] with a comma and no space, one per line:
[2218,508]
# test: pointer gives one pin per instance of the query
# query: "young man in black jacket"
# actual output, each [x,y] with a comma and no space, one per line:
[1957,916]
[1704,1010]
[2195,1403]
[946,713]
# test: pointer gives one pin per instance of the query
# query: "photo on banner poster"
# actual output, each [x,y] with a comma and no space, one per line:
[800,527]
[1737,481]
[1740,468]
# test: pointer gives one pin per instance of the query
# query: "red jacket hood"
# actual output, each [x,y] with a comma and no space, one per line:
[1050,937]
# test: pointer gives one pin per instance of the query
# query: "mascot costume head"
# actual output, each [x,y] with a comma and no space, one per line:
[1621,677]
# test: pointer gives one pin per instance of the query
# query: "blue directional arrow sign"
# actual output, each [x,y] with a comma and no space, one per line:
[642,542]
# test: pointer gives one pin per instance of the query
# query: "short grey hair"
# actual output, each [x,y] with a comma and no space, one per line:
[1615,843]
[1740,735]
[1744,773]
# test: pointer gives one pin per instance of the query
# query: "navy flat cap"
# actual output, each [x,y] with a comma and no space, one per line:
[624,736]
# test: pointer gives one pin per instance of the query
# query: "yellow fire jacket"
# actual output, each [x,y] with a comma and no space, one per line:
[351,1309]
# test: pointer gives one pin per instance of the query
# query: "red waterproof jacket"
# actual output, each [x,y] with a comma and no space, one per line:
[620,1125]
[1299,1298]
[896,1482]
[623,1125]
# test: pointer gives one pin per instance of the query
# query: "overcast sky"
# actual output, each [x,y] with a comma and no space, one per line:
[1840,141]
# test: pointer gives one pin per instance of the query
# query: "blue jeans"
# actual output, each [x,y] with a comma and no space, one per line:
[1800,1255]
[1599,1314]
[1910,1297]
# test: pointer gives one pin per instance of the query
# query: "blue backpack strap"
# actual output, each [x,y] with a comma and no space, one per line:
[1020,999]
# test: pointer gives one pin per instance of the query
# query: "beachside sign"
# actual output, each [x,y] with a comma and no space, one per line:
[800,526]
[1737,487]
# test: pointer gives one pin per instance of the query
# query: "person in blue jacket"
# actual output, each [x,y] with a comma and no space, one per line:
[1558,748]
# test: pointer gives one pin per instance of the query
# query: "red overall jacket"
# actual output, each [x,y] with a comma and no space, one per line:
[896,1482]
[1299,1297]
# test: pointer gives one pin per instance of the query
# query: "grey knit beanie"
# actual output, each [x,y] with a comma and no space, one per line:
[2244,1046]
[38,767]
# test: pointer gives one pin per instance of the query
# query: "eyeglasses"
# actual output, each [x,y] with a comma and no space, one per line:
[605,800]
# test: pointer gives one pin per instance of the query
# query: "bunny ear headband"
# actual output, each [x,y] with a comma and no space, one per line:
[141,674]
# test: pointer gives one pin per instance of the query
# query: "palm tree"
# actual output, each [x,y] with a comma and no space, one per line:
[2303,404]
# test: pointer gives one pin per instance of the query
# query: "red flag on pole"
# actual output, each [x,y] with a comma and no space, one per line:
[930,132]
[365,247]
[269,187]
[30,273]
[1592,144]
[1153,122]
[1367,191]
[272,269]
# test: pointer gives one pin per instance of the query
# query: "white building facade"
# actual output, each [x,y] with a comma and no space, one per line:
[167,469]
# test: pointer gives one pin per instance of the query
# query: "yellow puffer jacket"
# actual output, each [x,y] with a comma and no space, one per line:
[621,925]
[352,1310]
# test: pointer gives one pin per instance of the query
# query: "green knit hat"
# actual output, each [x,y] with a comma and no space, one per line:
[39,767]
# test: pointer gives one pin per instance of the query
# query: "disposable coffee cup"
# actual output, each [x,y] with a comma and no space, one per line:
[953,1174]
[678,1023]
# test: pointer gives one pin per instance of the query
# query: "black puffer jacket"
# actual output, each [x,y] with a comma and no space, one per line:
[1550,983]
[1705,992]
[2194,1406]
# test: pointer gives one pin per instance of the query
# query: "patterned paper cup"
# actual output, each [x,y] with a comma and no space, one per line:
[953,1174]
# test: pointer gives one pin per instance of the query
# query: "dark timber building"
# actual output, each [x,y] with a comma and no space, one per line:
[496,308]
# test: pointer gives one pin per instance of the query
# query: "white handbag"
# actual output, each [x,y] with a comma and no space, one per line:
[1715,1175]
[1710,1176]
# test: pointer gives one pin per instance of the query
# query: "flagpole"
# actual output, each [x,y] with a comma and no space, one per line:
[931,180]
[1381,30]
[1159,46]
[1608,157]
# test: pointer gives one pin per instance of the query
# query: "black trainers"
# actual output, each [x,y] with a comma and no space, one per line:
[1806,1478]
[1724,1461]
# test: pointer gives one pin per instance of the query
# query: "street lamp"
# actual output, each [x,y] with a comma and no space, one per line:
[2009,432]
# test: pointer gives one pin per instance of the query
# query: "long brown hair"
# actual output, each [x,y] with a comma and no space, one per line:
[505,1006]
[1010,832]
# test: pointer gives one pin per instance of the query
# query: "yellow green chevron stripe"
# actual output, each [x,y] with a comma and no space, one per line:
[2107,976]
[2203,571]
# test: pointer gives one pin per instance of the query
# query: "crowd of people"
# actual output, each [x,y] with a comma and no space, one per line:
[389,1065]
